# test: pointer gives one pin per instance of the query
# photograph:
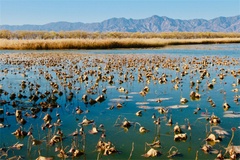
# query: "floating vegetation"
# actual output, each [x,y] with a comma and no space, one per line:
[212,138]
[106,147]
[87,106]
[151,153]
[86,121]
[214,119]
[183,100]
[143,130]
[138,113]
[180,137]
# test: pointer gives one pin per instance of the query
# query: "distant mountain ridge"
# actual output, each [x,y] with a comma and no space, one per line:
[151,24]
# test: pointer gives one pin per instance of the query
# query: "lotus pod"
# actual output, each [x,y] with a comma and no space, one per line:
[94,130]
[177,129]
[62,154]
[100,98]
[47,118]
[212,137]
[151,153]
[220,155]
[210,85]
[192,94]
[86,121]
[139,113]
[206,148]
[183,100]
[162,110]
[143,130]
[226,106]
[121,89]
[18,114]
[19,133]
[109,151]
[77,153]
[92,101]
[79,111]
[17,146]
[180,136]
[214,120]
[126,124]
[119,105]
[146,89]
[55,139]
[36,142]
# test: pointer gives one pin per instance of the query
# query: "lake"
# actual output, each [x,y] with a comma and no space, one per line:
[118,84]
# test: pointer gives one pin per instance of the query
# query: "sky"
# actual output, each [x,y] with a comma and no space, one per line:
[19,12]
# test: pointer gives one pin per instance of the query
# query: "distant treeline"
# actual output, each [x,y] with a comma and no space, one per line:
[27,35]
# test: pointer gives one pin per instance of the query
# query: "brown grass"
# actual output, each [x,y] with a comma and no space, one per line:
[5,34]
[105,43]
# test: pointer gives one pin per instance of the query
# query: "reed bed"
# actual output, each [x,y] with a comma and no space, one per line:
[77,34]
[107,43]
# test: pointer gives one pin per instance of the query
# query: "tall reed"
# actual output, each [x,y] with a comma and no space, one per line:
[109,43]
[6,34]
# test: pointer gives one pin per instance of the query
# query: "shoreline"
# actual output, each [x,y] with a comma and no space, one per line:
[106,43]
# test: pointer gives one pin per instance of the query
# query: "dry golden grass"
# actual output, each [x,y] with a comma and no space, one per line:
[6,34]
[109,43]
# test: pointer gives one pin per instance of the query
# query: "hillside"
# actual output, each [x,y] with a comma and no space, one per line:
[151,24]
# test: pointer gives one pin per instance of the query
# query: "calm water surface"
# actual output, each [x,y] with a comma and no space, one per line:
[132,101]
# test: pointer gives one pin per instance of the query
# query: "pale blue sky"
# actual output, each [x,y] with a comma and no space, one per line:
[18,12]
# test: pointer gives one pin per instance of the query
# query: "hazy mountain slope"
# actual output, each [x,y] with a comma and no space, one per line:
[151,24]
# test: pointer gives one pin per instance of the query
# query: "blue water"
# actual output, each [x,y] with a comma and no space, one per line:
[124,139]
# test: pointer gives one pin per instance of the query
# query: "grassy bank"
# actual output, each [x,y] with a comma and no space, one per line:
[110,43]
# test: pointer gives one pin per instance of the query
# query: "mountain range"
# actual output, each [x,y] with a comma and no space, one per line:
[151,24]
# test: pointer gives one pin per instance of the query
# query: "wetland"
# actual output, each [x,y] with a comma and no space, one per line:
[169,103]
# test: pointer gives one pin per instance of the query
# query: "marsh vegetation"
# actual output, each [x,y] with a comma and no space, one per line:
[120,105]
[31,40]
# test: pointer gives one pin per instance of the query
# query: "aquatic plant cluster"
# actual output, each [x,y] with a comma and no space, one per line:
[119,106]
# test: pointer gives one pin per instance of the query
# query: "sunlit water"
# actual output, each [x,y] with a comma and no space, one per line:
[126,140]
